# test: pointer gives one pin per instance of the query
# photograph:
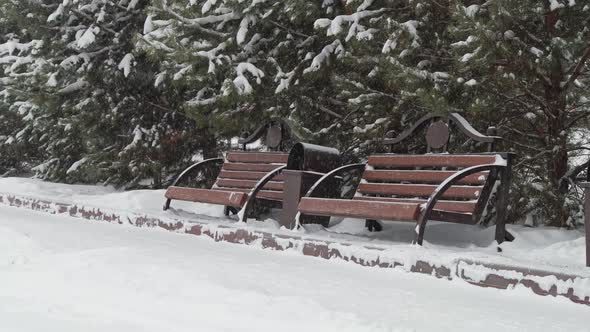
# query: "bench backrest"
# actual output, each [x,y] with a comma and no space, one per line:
[242,170]
[394,177]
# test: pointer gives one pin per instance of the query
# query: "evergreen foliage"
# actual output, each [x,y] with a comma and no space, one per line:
[89,115]
[527,61]
[128,91]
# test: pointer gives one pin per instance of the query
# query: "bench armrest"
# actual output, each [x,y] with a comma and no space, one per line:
[450,181]
[188,170]
[194,166]
[330,175]
[243,214]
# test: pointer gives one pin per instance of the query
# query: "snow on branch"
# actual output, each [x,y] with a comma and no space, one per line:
[199,22]
[76,86]
[241,82]
[11,46]
[200,99]
[212,55]
[56,14]
[556,4]
[15,54]
[244,24]
[335,26]
[126,63]
[411,27]
[87,37]
[334,48]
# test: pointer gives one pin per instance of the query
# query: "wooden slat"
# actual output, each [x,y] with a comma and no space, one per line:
[418,190]
[249,167]
[258,157]
[430,160]
[241,175]
[416,176]
[454,206]
[359,209]
[265,194]
[248,184]
[454,217]
[231,198]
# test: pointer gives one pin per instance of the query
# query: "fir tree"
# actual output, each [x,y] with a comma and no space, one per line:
[94,115]
[18,64]
[527,65]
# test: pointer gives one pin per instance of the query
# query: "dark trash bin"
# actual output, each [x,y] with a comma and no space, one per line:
[307,163]
[311,157]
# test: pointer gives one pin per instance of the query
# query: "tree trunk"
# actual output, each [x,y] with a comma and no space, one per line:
[209,144]
[557,160]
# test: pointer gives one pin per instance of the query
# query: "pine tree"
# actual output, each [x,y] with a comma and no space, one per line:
[128,91]
[95,116]
[222,55]
[18,63]
[391,65]
[527,64]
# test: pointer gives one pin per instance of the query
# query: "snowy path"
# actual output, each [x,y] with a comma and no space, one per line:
[63,274]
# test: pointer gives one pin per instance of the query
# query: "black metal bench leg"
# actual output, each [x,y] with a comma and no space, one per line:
[227,210]
[420,229]
[508,236]
[502,204]
[167,204]
[373,225]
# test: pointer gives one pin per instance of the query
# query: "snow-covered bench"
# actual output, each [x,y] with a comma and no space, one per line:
[251,178]
[239,178]
[421,187]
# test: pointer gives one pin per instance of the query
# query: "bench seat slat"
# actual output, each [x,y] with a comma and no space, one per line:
[454,217]
[359,209]
[257,157]
[222,197]
[264,194]
[249,167]
[418,190]
[241,175]
[432,160]
[248,184]
[420,176]
[443,205]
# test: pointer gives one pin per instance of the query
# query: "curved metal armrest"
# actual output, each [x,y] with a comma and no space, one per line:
[243,214]
[330,175]
[188,170]
[193,166]
[452,180]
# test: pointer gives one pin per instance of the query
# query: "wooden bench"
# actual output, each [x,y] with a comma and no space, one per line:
[244,179]
[417,188]
[239,178]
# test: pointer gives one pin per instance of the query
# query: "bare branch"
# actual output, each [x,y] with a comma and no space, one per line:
[578,67]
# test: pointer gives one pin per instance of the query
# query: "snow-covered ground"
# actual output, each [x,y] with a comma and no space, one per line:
[541,248]
[63,274]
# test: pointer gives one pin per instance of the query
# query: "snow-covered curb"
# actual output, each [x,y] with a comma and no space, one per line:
[481,273]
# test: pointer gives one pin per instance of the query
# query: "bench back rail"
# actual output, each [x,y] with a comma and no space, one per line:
[438,134]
